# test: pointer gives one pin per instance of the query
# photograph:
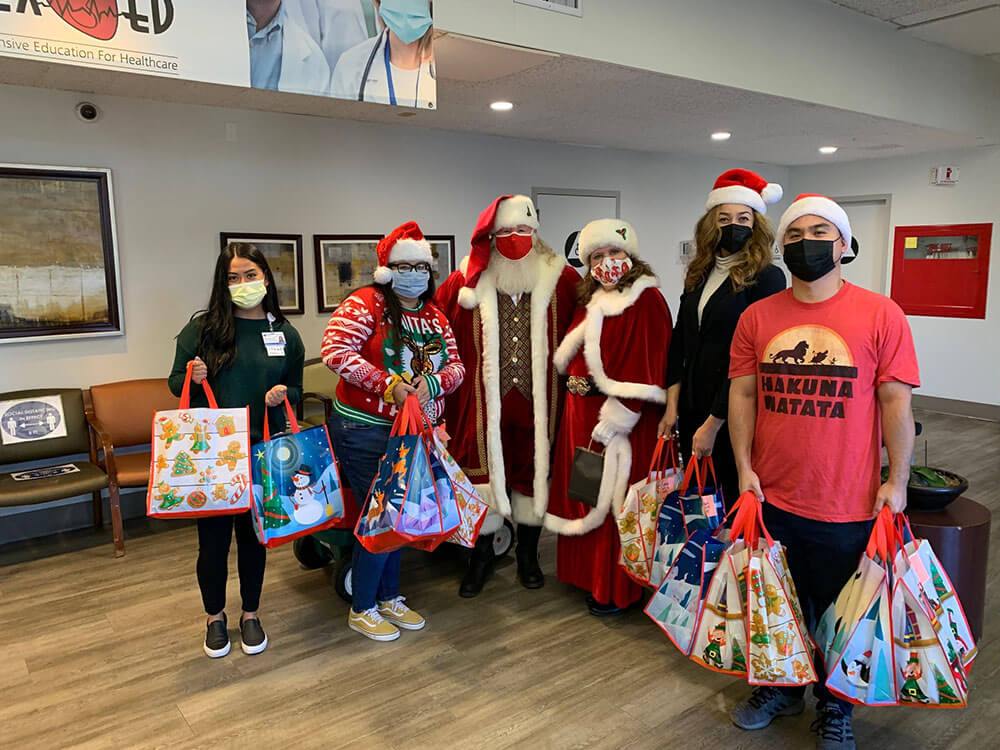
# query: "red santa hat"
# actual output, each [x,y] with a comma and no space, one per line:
[745,188]
[506,212]
[811,204]
[607,233]
[404,244]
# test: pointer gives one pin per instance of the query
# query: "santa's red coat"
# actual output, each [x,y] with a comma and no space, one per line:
[621,342]
[473,412]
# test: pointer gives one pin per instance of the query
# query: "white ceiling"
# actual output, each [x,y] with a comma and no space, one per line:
[971,26]
[561,99]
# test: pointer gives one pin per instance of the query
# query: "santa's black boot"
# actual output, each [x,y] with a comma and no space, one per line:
[480,567]
[528,570]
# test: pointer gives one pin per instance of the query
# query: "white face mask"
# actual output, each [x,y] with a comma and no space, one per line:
[611,270]
[248,295]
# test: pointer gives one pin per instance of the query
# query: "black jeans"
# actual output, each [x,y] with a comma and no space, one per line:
[822,557]
[215,533]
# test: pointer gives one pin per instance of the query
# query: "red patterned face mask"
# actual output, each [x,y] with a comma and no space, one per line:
[611,270]
[514,246]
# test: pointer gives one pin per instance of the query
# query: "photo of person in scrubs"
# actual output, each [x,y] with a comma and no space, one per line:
[397,66]
[335,25]
[283,56]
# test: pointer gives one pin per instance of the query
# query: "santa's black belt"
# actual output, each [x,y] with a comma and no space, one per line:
[579,386]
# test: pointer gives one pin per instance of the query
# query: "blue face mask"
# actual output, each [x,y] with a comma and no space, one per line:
[410,284]
[408,19]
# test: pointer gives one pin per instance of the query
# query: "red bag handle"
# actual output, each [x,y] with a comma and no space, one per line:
[411,419]
[185,402]
[749,522]
[737,513]
[878,542]
[691,470]
[666,450]
[292,422]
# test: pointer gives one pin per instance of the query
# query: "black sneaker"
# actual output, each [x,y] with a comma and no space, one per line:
[833,728]
[217,639]
[253,639]
[765,704]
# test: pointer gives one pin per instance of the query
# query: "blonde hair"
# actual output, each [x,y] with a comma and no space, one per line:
[757,257]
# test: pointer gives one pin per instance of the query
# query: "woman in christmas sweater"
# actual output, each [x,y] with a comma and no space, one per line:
[251,356]
[615,355]
[386,341]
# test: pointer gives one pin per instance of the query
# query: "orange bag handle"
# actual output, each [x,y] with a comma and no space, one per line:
[185,402]
[292,421]
[411,419]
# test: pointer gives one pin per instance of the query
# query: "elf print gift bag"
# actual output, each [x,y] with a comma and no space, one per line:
[638,516]
[403,506]
[200,459]
[296,484]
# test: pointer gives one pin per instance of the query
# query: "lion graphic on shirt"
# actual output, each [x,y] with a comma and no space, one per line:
[798,354]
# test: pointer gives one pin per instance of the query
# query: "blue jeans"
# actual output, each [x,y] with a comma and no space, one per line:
[359,447]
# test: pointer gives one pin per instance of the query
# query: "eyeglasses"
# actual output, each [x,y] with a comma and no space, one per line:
[523,229]
[407,267]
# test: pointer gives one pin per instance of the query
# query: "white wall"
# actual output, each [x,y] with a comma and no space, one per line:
[810,50]
[959,358]
[178,184]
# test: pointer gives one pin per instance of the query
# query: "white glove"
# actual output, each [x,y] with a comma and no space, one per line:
[604,431]
[613,419]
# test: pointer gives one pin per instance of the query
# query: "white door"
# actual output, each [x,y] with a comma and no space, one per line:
[561,216]
[870,224]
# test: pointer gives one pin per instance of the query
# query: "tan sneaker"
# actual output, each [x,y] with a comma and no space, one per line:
[371,624]
[395,611]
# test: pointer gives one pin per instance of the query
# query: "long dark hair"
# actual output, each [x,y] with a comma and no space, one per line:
[393,313]
[218,323]
[588,285]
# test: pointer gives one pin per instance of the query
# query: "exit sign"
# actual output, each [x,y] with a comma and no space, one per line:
[944,175]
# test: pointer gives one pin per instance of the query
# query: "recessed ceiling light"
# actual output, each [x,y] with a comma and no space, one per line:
[502,106]
[722,135]
[828,149]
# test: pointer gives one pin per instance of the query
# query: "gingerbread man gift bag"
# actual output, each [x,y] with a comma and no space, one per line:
[200,460]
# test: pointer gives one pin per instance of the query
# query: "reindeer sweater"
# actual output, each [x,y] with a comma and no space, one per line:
[358,346]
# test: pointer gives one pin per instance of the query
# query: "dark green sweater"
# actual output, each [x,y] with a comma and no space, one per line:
[247,380]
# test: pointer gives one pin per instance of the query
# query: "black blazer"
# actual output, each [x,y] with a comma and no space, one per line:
[699,356]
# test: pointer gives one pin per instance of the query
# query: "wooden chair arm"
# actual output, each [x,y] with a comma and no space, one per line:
[97,429]
[325,400]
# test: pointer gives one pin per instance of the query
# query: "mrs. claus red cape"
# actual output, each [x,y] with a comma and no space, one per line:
[620,341]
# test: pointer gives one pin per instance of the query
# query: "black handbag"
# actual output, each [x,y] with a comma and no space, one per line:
[585,476]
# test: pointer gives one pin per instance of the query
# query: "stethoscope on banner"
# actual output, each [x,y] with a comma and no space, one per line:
[383,42]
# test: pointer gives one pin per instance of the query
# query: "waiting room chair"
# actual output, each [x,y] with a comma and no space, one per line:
[318,385]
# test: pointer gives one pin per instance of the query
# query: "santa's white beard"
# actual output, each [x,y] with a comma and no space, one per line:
[514,276]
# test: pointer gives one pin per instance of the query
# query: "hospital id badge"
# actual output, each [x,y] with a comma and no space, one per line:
[274,342]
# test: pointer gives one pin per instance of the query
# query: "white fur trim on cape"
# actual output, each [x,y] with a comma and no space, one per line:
[610,497]
[587,333]
[493,520]
[522,510]
[618,415]
[550,268]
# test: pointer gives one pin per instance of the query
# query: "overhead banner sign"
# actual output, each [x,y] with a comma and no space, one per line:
[346,49]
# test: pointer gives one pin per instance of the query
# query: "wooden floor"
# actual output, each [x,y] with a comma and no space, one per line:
[98,652]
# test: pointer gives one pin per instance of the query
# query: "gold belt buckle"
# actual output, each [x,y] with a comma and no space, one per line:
[578,386]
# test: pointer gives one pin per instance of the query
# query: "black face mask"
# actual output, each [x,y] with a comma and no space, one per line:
[734,238]
[809,260]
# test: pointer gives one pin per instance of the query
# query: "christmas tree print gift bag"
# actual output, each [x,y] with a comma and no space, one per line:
[296,484]
[637,519]
[403,507]
[854,634]
[200,459]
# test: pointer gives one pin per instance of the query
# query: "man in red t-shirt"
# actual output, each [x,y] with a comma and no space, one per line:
[821,374]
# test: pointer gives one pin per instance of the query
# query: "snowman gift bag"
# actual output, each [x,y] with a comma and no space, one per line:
[296,485]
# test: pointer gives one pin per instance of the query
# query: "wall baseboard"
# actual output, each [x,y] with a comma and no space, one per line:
[990,412]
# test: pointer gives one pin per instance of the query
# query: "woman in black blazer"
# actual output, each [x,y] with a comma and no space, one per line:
[730,271]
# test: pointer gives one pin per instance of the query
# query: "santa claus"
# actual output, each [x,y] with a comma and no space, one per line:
[615,355]
[509,306]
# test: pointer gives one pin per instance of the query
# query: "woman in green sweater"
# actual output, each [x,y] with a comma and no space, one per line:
[252,356]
